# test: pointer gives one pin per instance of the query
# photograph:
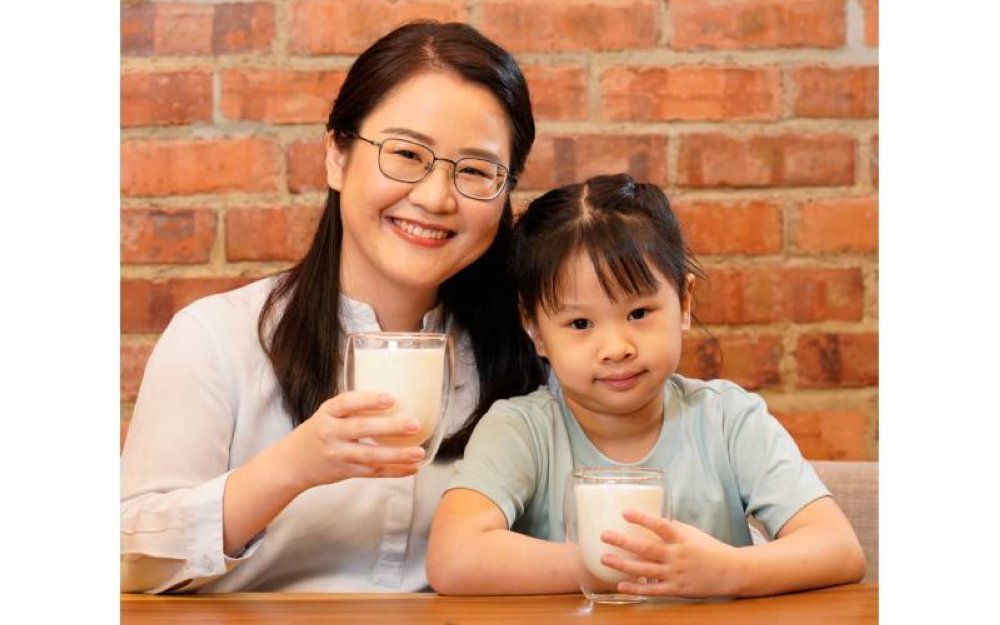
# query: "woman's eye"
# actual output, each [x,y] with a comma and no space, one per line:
[580,324]
[407,154]
[638,313]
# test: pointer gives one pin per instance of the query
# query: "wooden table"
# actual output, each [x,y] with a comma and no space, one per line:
[849,604]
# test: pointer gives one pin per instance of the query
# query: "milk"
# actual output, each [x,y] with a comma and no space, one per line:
[599,508]
[413,376]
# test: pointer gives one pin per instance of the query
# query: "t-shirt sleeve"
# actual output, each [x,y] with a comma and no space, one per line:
[501,460]
[774,480]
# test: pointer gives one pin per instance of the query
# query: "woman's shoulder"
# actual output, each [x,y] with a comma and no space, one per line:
[230,308]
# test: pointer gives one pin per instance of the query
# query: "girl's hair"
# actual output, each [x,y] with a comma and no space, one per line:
[621,224]
[304,346]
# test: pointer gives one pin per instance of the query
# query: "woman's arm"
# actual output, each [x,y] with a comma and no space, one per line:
[472,552]
[816,547]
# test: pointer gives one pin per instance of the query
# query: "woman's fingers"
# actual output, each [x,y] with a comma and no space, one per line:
[378,455]
[373,426]
[353,402]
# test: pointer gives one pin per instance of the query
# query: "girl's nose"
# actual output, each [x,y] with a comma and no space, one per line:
[435,192]
[616,346]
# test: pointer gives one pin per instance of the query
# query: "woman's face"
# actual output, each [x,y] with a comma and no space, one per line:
[407,238]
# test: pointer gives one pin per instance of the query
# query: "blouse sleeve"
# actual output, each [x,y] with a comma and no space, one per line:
[175,464]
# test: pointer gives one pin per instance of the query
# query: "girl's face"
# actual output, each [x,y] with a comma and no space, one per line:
[612,358]
[408,238]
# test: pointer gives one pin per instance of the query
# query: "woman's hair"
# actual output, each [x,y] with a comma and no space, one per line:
[304,346]
[621,224]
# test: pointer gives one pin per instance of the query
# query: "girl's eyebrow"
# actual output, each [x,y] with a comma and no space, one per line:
[429,142]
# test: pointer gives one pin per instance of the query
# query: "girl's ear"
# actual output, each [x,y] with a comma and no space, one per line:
[532,331]
[336,160]
[686,299]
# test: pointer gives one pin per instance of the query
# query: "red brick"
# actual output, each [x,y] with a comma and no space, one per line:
[747,227]
[832,360]
[164,98]
[148,305]
[137,28]
[183,29]
[742,24]
[836,92]
[270,233]
[871,23]
[170,235]
[531,26]
[558,92]
[280,96]
[838,225]
[306,166]
[133,363]
[153,167]
[773,294]
[690,93]
[751,361]
[717,160]
[350,26]
[563,159]
[242,27]
[828,434]
[873,169]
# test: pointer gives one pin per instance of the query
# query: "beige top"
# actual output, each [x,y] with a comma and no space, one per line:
[209,401]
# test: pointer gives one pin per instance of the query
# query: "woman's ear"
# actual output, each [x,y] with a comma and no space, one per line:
[335,160]
[687,297]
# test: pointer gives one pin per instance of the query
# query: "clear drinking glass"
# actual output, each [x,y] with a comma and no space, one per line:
[593,502]
[416,368]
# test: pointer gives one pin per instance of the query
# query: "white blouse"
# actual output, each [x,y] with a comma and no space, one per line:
[209,401]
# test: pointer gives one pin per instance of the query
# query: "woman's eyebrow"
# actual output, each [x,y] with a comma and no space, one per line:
[425,139]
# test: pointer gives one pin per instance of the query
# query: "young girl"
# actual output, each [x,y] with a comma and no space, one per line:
[244,467]
[604,282]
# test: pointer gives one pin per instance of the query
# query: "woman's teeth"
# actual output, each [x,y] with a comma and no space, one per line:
[419,231]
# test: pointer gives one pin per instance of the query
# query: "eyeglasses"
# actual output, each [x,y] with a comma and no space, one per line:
[406,161]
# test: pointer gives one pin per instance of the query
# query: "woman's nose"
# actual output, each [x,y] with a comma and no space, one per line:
[435,192]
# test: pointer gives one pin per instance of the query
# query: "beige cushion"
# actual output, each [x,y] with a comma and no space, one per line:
[854,486]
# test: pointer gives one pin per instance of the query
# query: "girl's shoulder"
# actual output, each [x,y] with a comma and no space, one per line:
[719,399]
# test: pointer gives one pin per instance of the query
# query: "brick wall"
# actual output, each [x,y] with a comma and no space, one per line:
[758,117]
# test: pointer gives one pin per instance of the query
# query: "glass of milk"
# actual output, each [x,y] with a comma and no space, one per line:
[594,501]
[415,368]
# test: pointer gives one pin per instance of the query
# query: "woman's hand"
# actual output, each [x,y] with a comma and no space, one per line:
[682,561]
[326,449]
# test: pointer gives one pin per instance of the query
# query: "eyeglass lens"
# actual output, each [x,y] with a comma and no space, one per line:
[409,162]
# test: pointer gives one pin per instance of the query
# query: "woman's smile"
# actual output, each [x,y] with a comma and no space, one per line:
[420,233]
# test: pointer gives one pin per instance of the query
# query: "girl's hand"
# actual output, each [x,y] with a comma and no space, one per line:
[685,562]
[326,449]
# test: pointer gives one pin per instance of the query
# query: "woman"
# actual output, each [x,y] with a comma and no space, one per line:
[237,472]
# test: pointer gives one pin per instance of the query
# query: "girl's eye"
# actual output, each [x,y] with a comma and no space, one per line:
[580,324]
[406,154]
[638,313]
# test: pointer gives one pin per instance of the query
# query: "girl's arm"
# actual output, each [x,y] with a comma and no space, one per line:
[472,552]
[816,547]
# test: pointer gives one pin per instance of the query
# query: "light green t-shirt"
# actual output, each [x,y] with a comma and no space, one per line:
[724,455]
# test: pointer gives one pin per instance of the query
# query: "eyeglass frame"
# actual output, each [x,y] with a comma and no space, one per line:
[509,179]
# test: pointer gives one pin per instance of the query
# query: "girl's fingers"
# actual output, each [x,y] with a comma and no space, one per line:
[635,568]
[645,549]
[352,402]
[649,589]
[659,525]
